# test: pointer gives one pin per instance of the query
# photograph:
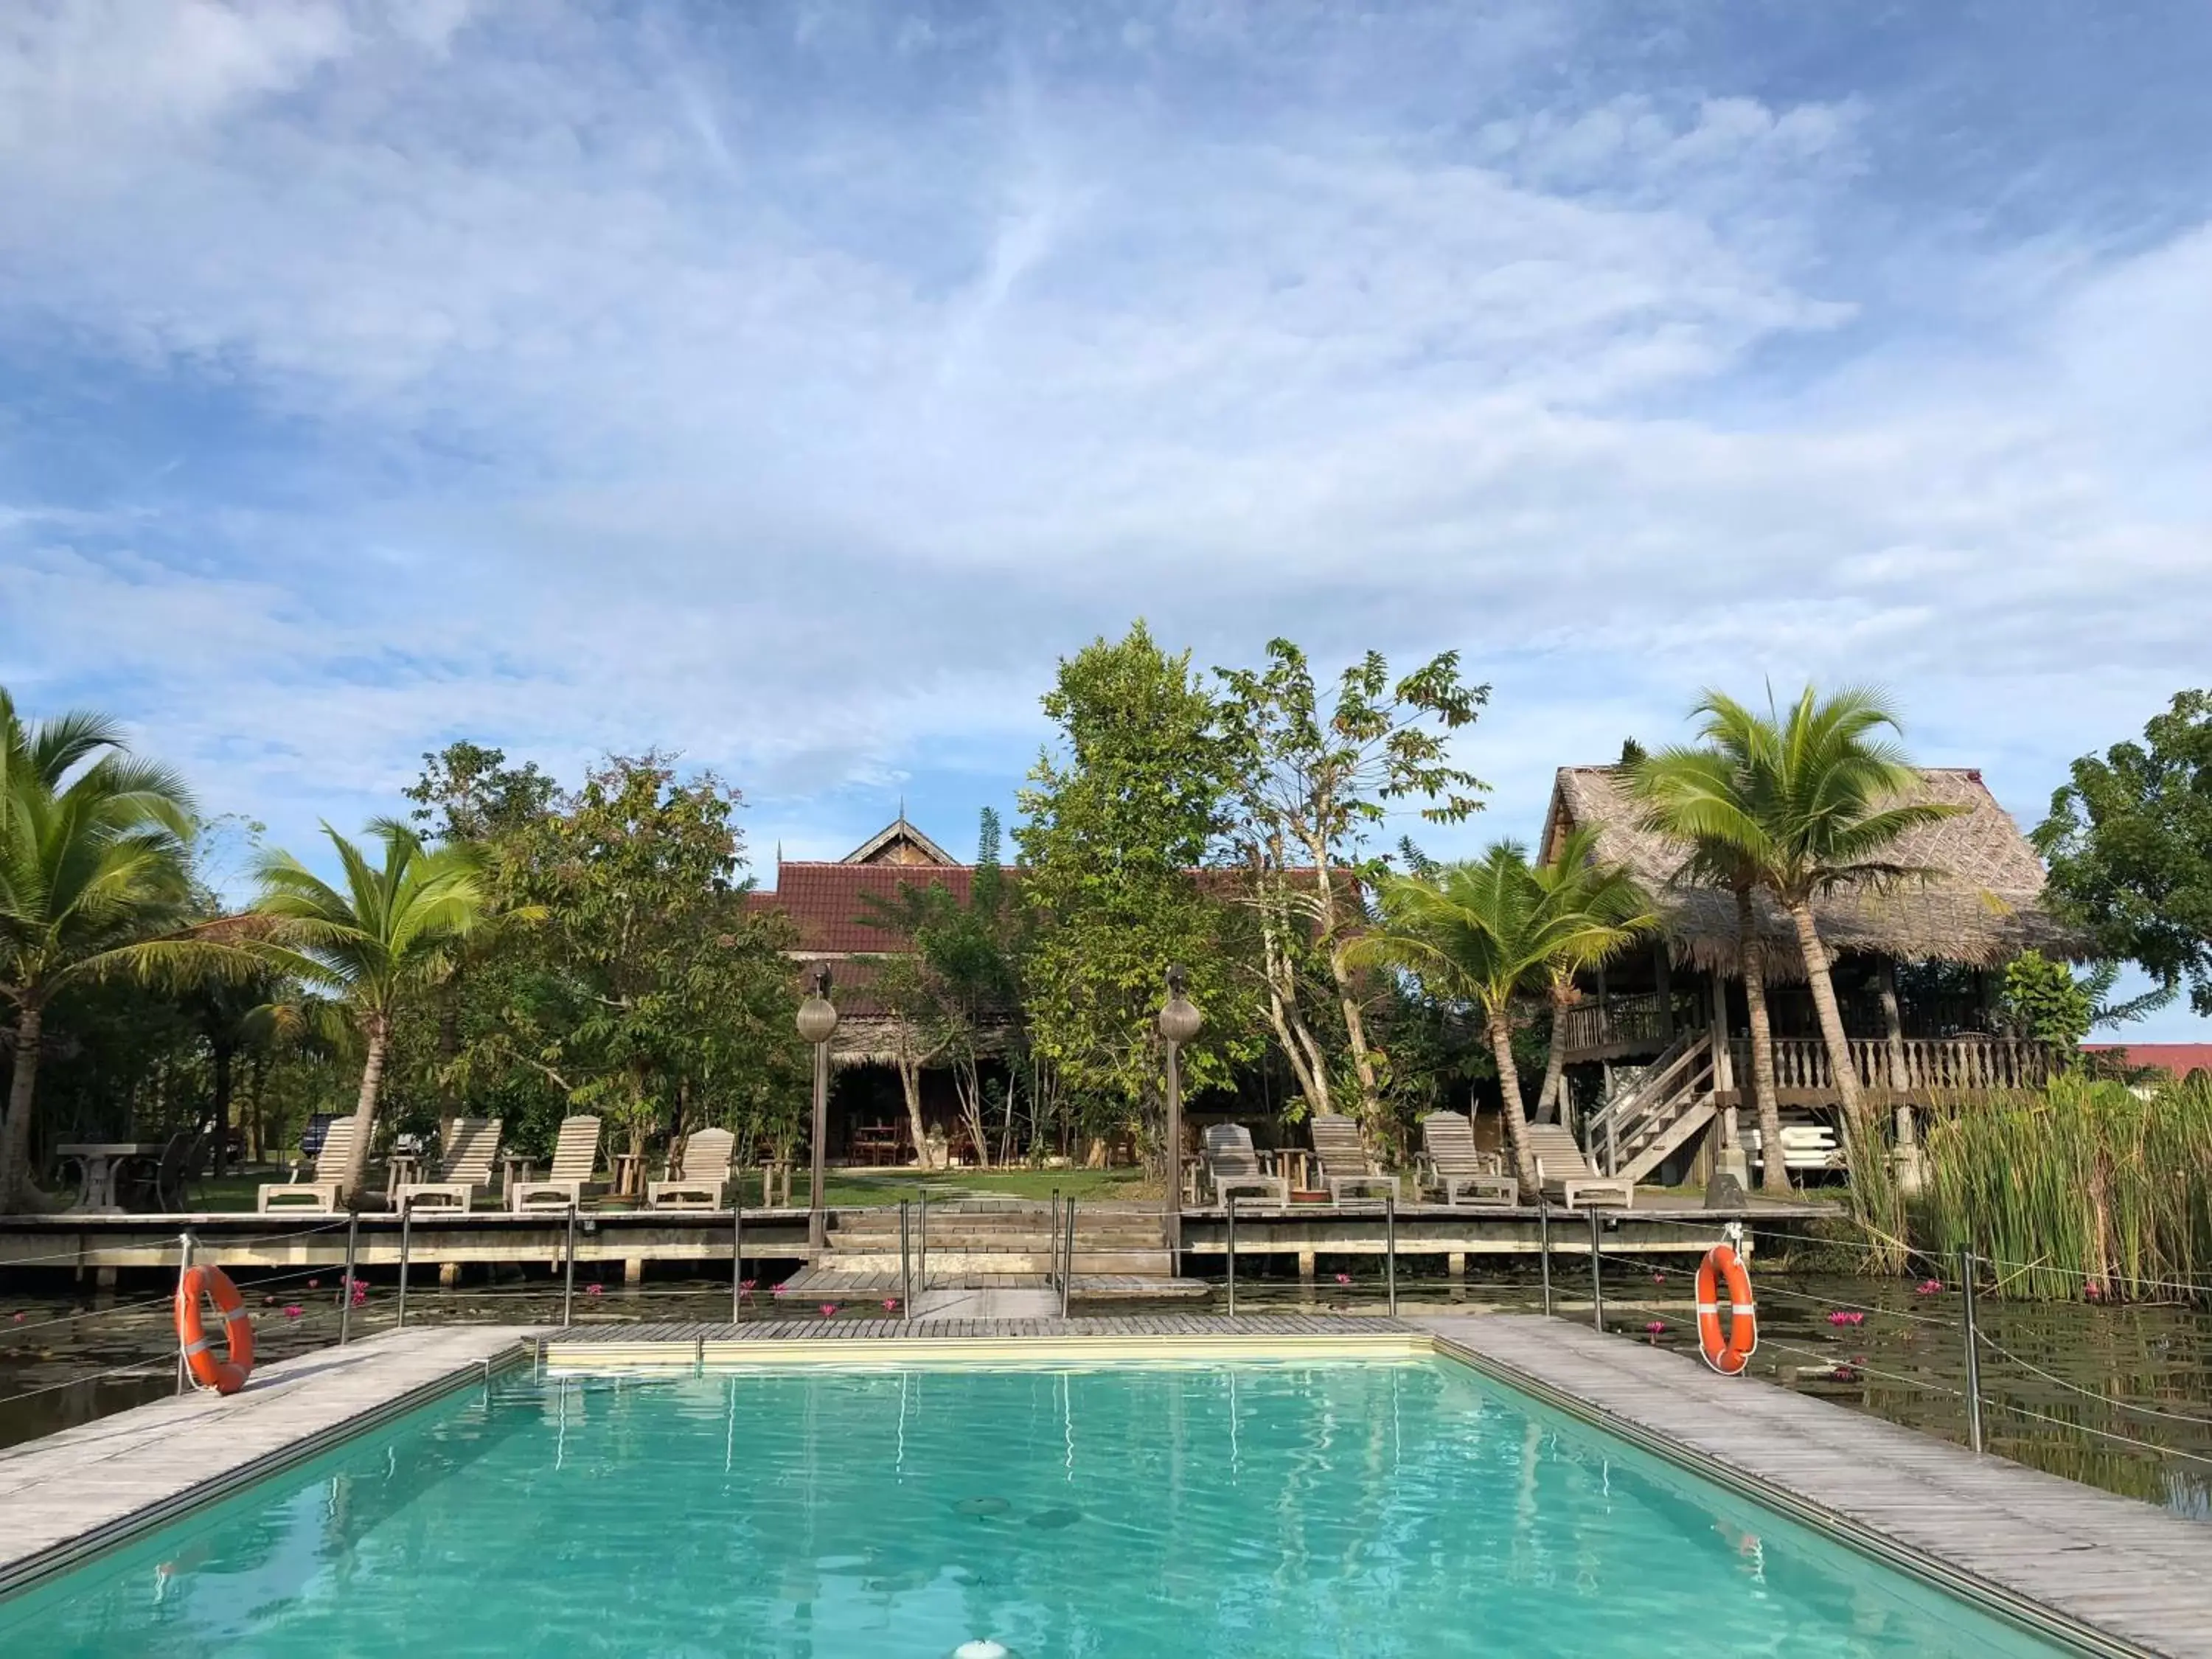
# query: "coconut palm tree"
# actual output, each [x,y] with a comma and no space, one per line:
[1577,881]
[366,945]
[1687,795]
[1487,931]
[93,881]
[1814,802]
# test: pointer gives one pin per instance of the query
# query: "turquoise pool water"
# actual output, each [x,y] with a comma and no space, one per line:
[1371,1509]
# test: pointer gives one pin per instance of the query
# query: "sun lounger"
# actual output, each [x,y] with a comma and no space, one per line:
[706,1173]
[575,1155]
[1343,1157]
[321,1194]
[1562,1171]
[471,1144]
[1464,1174]
[1233,1166]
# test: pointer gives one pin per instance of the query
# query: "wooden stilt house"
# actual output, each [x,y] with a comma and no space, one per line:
[1658,1045]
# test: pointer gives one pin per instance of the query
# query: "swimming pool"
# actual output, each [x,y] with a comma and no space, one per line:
[1410,1508]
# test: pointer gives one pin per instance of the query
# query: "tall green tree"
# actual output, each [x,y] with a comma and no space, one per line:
[1485,934]
[2129,839]
[1312,777]
[649,992]
[94,881]
[374,942]
[1118,817]
[1814,803]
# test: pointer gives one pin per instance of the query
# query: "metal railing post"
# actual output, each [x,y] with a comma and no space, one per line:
[921,1245]
[906,1259]
[1390,1250]
[1052,1238]
[346,1284]
[568,1271]
[406,1223]
[737,1250]
[1067,1256]
[1974,1350]
[1597,1277]
[1229,1221]
[1544,1237]
[184,1265]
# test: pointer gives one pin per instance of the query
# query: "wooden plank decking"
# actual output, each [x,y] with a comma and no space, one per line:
[2095,1566]
[86,1488]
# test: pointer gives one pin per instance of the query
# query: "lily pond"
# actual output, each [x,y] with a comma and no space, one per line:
[2118,1397]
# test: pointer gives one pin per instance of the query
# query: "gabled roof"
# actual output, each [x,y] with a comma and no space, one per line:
[1984,907]
[2179,1059]
[899,842]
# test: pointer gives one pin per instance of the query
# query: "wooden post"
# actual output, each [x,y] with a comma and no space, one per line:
[1912,1169]
[1604,1018]
[1729,1175]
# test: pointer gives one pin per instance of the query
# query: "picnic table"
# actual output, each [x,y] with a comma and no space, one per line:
[99,1164]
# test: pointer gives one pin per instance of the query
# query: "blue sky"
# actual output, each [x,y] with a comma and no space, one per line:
[792,385]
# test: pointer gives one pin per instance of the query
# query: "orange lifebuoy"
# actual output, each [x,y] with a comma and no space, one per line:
[1727,1354]
[223,1375]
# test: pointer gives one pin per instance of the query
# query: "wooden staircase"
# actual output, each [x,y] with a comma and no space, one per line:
[1643,1124]
[989,1243]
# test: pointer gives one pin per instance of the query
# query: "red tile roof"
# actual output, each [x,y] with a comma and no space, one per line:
[828,902]
[2179,1058]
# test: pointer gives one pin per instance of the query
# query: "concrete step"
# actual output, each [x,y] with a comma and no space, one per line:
[942,1265]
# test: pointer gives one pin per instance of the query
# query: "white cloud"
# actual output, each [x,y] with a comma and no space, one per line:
[792,388]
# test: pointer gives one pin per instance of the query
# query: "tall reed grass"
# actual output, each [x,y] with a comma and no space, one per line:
[2085,1189]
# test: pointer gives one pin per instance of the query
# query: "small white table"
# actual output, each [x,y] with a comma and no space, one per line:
[100,1162]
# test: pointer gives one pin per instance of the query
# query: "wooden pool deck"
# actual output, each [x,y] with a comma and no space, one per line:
[104,1483]
[2106,1574]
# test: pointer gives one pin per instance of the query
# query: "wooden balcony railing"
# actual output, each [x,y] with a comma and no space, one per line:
[1930,1066]
[1640,1019]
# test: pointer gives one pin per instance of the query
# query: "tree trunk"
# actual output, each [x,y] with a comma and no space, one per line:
[222,1058]
[377,1029]
[1355,1028]
[1751,949]
[1553,1095]
[910,1076]
[15,1131]
[1509,1107]
[1307,1064]
[1831,1027]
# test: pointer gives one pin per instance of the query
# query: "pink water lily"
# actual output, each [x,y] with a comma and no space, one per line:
[1658,1279]
[1656,1327]
[1840,1318]
[1929,1287]
[592,1290]
[293,1310]
[1343,1279]
[891,1304]
[314,1284]
[828,1310]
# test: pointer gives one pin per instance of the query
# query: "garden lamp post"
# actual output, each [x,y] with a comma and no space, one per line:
[817,1022]
[1179,1020]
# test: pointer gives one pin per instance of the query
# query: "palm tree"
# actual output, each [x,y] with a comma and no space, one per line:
[1486,931]
[368,945]
[1700,798]
[93,881]
[1578,882]
[1814,802]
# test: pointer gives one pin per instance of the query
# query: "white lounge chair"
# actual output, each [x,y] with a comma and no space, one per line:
[320,1194]
[705,1178]
[1465,1173]
[1233,1166]
[575,1155]
[1342,1154]
[1563,1172]
[470,1146]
